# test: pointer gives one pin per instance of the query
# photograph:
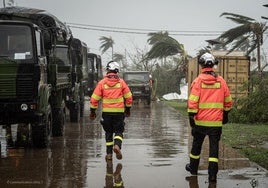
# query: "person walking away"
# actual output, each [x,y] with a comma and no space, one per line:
[208,105]
[116,103]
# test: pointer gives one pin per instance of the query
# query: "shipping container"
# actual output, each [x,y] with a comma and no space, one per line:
[233,67]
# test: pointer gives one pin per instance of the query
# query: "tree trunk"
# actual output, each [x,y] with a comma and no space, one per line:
[259,55]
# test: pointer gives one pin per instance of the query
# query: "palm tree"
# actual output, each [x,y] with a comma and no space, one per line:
[249,31]
[156,37]
[120,58]
[106,43]
[163,46]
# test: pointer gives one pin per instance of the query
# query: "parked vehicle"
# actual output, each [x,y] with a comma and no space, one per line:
[37,73]
[79,79]
[95,73]
[140,84]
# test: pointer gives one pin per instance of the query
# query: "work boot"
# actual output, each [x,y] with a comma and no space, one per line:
[189,169]
[109,157]
[212,172]
[117,152]
[193,166]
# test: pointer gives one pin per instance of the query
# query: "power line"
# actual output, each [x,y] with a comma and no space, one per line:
[107,30]
[134,29]
[144,31]
[183,33]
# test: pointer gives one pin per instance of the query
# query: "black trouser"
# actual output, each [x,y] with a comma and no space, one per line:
[113,125]
[199,133]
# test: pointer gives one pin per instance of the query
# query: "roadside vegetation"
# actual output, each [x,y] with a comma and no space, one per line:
[250,140]
[252,108]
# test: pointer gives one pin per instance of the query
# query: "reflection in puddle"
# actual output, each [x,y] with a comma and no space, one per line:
[11,137]
[3,142]
[113,178]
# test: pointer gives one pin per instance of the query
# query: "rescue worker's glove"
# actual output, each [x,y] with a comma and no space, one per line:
[92,115]
[127,111]
[191,119]
[225,118]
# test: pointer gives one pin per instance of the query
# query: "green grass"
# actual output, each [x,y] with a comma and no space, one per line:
[179,105]
[246,139]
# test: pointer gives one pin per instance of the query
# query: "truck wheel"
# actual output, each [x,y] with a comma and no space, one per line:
[74,112]
[22,135]
[41,130]
[58,121]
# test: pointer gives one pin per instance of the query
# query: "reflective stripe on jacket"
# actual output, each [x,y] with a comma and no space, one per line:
[114,93]
[209,97]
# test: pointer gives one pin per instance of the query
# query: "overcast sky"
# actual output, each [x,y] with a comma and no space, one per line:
[188,16]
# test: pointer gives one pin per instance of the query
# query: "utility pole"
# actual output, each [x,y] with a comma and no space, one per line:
[4,3]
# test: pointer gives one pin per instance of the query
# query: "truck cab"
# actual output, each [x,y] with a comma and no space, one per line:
[34,74]
[22,68]
[140,84]
[95,73]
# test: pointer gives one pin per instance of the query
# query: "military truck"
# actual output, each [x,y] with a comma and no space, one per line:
[35,71]
[94,72]
[79,77]
[140,84]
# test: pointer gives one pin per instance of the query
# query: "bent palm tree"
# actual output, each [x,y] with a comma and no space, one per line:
[163,46]
[106,43]
[249,31]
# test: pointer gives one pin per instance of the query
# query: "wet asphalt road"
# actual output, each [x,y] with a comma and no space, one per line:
[155,151]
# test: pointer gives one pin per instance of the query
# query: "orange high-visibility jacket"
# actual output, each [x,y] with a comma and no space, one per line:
[209,97]
[114,93]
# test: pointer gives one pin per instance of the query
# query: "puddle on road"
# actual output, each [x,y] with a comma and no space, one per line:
[167,134]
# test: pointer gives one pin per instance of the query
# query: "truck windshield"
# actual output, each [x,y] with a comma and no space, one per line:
[137,77]
[16,42]
[62,55]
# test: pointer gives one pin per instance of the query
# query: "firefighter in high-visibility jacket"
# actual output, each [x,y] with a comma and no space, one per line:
[116,100]
[208,105]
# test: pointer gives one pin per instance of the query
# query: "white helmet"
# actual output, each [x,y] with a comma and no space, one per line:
[207,60]
[113,66]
